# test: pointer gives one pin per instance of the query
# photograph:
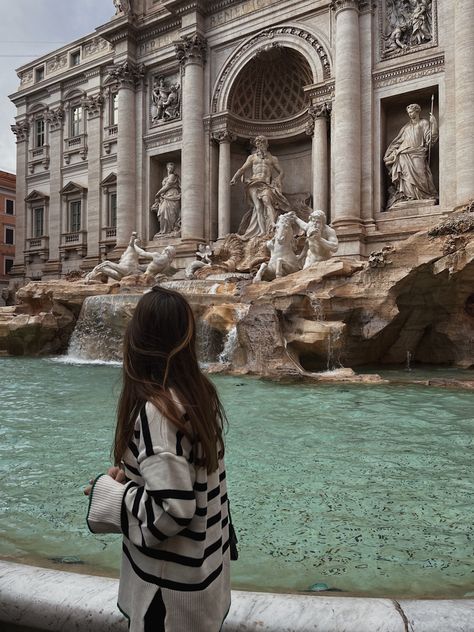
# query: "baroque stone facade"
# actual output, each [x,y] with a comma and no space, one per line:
[192,83]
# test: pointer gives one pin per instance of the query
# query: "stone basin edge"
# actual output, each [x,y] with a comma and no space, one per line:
[40,599]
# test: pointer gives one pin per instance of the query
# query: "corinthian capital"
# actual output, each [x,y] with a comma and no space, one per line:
[93,104]
[21,130]
[340,5]
[127,74]
[224,136]
[191,49]
[55,118]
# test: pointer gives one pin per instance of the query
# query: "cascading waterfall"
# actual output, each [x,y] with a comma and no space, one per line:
[334,350]
[100,328]
[231,340]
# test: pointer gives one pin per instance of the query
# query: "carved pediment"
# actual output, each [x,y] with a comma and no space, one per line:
[110,180]
[72,187]
[36,196]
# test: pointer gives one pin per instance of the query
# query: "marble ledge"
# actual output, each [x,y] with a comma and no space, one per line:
[34,598]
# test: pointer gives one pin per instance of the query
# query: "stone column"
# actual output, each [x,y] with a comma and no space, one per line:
[347,115]
[21,131]
[224,139]
[464,98]
[54,228]
[191,52]
[93,108]
[127,75]
[318,128]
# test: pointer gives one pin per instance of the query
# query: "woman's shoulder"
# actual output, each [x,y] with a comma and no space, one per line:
[159,428]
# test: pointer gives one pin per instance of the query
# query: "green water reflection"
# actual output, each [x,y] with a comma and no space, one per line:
[367,489]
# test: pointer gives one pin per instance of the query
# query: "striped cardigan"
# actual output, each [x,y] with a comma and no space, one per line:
[174,520]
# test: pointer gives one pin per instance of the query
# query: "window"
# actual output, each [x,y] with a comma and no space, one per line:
[112,210]
[75,58]
[75,216]
[76,118]
[114,109]
[38,221]
[8,265]
[39,73]
[39,133]
[10,207]
[9,236]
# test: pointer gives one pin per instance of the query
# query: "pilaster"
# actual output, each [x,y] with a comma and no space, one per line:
[54,228]
[21,130]
[93,105]
[464,98]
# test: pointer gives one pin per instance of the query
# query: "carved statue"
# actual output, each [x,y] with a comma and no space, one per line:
[203,254]
[263,189]
[165,99]
[159,262]
[127,264]
[321,240]
[379,258]
[167,203]
[283,259]
[122,6]
[407,159]
[409,23]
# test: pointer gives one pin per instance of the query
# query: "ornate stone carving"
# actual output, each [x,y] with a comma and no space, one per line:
[192,49]
[58,62]
[321,110]
[55,118]
[407,26]
[340,5]
[283,259]
[165,101]
[95,46]
[92,104]
[21,130]
[126,74]
[167,205]
[122,7]
[409,71]
[224,136]
[264,188]
[407,159]
[269,35]
[379,258]
[321,240]
[26,77]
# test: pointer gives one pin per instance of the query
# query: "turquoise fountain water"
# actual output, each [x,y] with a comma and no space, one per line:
[365,489]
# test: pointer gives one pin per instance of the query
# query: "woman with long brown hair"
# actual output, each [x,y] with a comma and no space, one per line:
[167,492]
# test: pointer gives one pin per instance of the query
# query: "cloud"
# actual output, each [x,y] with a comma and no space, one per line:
[29,29]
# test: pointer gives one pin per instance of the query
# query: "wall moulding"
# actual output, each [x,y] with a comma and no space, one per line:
[249,129]
[407,72]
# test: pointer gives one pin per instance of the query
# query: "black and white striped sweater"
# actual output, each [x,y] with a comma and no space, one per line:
[174,520]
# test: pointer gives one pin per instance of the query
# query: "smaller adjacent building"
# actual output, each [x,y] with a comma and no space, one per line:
[7,225]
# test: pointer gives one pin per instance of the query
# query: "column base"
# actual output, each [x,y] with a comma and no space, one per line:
[52,269]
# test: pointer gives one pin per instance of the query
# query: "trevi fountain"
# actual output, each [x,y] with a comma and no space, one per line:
[308,185]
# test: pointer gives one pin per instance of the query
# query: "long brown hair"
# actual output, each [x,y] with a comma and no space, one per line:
[159,354]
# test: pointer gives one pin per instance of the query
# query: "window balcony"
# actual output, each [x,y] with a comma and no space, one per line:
[108,241]
[75,145]
[76,241]
[37,246]
[38,155]
[110,136]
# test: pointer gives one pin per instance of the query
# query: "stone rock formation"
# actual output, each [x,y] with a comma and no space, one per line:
[338,312]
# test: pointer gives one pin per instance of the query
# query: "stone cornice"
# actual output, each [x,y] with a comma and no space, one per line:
[415,70]
[228,123]
[181,7]
[158,29]
[192,49]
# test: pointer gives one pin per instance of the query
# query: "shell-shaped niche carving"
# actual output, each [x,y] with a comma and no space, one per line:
[270,86]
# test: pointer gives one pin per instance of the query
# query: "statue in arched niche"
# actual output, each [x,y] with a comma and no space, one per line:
[167,203]
[263,189]
[407,159]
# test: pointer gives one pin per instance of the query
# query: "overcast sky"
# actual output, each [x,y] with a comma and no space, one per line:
[29,29]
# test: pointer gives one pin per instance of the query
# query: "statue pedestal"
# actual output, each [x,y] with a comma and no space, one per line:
[413,205]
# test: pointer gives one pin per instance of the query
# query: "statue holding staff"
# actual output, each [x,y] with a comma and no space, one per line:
[407,159]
